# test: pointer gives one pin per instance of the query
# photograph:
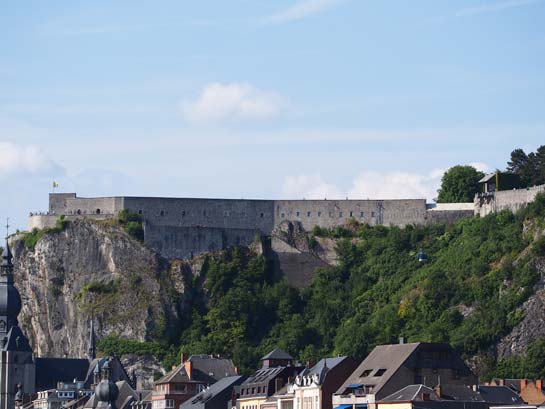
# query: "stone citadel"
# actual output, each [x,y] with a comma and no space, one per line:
[184,227]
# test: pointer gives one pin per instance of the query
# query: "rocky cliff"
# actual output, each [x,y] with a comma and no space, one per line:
[95,270]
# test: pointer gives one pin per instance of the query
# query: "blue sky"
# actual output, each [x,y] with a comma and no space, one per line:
[261,98]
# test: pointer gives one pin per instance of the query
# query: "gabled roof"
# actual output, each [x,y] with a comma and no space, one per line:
[411,393]
[221,388]
[277,353]
[49,371]
[499,394]
[486,178]
[264,375]
[379,366]
[323,367]
[178,374]
[210,369]
[460,392]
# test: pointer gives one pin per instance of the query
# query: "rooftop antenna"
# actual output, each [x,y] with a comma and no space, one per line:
[7,228]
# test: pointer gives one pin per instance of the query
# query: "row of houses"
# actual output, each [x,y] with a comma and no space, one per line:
[397,376]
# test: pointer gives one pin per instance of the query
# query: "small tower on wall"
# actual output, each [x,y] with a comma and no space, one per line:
[17,368]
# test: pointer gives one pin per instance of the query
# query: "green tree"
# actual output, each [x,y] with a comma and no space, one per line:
[459,184]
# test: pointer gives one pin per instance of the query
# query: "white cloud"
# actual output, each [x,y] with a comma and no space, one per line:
[370,185]
[482,167]
[309,187]
[232,102]
[29,159]
[395,185]
[301,10]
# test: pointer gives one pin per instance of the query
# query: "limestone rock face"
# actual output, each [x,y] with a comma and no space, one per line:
[94,269]
[530,328]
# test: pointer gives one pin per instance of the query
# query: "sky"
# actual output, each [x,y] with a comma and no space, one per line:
[263,98]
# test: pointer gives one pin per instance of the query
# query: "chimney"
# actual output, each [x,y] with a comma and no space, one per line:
[539,384]
[475,388]
[183,357]
[502,382]
[174,367]
[188,365]
[309,364]
[236,370]
[401,340]
[278,383]
[522,384]
[438,391]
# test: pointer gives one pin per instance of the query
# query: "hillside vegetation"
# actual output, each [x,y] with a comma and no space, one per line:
[468,292]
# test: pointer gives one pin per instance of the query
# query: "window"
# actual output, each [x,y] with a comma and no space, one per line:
[351,214]
[372,214]
[183,213]
[380,372]
[259,389]
[367,372]
[282,215]
[204,212]
[308,214]
[340,214]
[98,211]
[297,214]
[319,214]
[261,215]
[162,213]
[362,214]
[140,211]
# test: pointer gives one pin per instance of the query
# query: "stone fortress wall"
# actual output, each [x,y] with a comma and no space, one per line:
[184,227]
[514,200]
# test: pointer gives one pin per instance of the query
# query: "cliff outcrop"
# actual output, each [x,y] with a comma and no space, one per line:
[95,270]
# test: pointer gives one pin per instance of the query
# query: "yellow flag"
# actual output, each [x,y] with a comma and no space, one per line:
[55,184]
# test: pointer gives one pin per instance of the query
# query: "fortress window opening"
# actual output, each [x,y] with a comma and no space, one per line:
[140,211]
[98,211]
[319,214]
[340,214]
[351,214]
[308,214]
[297,214]
[162,213]
[362,214]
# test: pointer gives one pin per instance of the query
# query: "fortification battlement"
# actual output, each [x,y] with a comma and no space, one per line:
[183,227]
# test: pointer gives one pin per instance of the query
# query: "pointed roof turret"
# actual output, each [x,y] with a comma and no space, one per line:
[92,348]
[10,300]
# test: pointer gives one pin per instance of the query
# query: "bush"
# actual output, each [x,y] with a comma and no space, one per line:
[31,239]
[132,224]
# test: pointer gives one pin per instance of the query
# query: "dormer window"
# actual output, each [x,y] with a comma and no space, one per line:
[366,373]
[380,372]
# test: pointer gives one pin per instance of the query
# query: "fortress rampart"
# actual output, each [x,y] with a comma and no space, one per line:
[183,227]
[514,200]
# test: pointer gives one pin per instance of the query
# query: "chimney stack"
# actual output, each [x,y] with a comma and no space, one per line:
[502,382]
[183,357]
[539,384]
[438,391]
[188,365]
[401,340]
[522,384]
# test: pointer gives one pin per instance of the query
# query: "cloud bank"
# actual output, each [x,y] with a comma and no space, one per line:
[370,185]
[232,102]
[29,159]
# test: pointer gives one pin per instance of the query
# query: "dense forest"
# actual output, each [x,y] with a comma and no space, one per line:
[461,284]
[466,292]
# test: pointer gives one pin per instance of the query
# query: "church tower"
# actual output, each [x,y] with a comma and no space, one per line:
[16,360]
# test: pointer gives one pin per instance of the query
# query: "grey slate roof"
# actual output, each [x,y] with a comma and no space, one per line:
[323,367]
[277,353]
[411,393]
[385,360]
[209,369]
[460,392]
[388,357]
[206,369]
[49,371]
[216,396]
[499,394]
